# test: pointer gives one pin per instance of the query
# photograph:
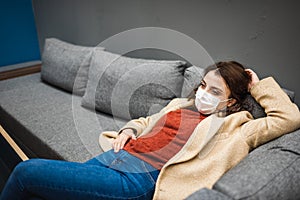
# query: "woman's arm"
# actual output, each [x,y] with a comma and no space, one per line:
[283,116]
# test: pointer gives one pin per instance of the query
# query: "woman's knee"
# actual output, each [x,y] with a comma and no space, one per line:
[27,169]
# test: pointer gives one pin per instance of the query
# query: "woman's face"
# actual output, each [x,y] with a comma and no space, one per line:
[215,85]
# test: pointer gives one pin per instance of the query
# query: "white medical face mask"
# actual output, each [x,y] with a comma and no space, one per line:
[206,103]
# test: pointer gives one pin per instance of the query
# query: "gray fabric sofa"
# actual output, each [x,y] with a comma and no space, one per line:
[82,91]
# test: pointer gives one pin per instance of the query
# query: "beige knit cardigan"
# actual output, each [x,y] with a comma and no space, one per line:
[217,144]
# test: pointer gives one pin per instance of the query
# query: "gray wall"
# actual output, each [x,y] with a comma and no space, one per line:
[262,34]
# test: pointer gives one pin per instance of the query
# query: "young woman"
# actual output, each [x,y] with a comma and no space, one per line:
[171,154]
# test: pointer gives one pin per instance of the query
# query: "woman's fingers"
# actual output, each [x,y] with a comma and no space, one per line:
[254,78]
[120,141]
[122,138]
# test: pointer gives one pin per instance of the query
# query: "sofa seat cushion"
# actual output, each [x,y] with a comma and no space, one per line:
[50,123]
[268,172]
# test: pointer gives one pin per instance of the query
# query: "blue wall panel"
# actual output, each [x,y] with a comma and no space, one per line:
[18,36]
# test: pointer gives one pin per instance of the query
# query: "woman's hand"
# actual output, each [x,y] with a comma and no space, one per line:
[254,78]
[122,138]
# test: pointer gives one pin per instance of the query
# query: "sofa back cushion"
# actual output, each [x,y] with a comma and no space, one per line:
[131,87]
[192,77]
[65,65]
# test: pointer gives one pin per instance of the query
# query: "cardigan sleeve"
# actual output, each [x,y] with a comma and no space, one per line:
[283,116]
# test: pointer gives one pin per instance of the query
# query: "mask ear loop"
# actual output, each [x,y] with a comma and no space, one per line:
[225,100]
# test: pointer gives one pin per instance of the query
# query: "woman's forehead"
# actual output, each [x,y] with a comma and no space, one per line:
[213,79]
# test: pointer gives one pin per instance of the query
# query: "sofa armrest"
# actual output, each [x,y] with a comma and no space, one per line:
[207,194]
[268,172]
[12,73]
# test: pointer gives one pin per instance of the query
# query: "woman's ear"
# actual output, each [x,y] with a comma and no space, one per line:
[231,102]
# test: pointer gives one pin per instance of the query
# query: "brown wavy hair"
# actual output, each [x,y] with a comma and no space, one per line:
[236,79]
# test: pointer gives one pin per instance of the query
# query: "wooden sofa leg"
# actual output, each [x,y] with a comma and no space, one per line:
[12,143]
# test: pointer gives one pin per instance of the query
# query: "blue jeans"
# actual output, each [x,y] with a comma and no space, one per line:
[107,176]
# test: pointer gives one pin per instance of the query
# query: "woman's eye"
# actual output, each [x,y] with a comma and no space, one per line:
[202,85]
[216,92]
